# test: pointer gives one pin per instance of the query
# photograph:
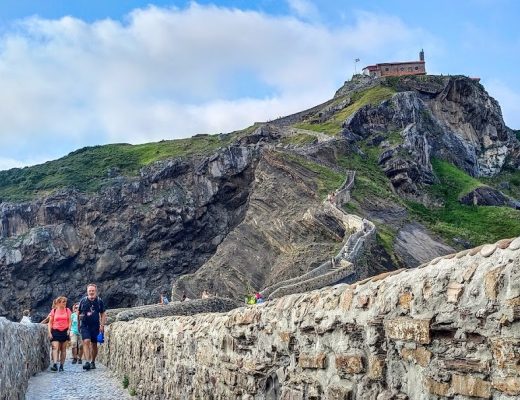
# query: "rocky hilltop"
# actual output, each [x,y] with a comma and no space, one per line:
[436,168]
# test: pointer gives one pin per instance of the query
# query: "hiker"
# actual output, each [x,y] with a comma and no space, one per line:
[184,297]
[163,299]
[59,330]
[26,319]
[75,337]
[91,313]
[259,298]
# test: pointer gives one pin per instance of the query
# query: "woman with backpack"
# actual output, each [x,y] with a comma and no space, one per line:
[59,330]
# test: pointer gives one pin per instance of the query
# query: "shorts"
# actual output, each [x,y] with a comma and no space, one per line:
[89,332]
[59,336]
[75,340]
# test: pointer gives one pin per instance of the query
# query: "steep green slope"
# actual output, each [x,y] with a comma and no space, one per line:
[476,224]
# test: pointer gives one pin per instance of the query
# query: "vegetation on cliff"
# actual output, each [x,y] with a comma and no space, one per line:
[453,220]
[358,99]
[87,169]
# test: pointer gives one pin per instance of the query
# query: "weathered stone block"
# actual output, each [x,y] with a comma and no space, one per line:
[466,365]
[420,355]
[349,363]
[436,388]
[515,244]
[454,291]
[376,367]
[363,301]
[506,352]
[468,385]
[509,385]
[337,392]
[504,243]
[492,282]
[405,299]
[316,361]
[346,299]
[469,271]
[488,250]
[285,336]
[408,329]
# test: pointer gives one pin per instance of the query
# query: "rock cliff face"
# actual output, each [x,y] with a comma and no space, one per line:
[450,328]
[134,238]
[451,118]
[252,214]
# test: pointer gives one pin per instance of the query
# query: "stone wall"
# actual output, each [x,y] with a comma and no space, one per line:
[24,351]
[447,329]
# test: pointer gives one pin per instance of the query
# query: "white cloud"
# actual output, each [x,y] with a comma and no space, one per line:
[169,73]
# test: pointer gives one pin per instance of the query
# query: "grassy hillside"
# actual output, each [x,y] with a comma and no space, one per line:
[476,224]
[88,168]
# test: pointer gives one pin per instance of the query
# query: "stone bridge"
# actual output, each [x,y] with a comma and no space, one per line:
[447,329]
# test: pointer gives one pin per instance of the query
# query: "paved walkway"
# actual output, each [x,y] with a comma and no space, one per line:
[76,384]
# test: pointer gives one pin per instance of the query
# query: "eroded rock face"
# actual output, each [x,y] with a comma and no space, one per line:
[452,118]
[134,238]
[449,328]
[25,351]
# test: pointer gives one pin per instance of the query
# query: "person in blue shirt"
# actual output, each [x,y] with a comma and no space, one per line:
[163,299]
[75,337]
[92,319]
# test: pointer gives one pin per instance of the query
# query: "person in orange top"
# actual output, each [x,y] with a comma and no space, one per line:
[59,331]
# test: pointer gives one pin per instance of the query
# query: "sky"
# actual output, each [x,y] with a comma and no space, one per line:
[82,73]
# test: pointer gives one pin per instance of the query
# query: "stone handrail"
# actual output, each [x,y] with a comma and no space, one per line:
[327,274]
[24,350]
[326,279]
[191,307]
[447,329]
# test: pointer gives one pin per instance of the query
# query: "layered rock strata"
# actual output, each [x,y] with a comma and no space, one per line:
[133,238]
[450,328]
[24,351]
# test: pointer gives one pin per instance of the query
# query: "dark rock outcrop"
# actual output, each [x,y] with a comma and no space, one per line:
[487,196]
[133,238]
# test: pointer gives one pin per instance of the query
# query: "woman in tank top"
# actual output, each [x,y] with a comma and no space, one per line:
[59,331]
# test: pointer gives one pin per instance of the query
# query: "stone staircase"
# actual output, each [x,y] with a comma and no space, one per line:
[342,266]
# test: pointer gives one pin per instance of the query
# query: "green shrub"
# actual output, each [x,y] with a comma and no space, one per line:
[125,382]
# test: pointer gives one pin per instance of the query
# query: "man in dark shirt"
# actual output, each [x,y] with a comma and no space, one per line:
[91,314]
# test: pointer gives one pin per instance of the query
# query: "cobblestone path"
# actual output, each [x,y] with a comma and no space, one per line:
[76,384]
